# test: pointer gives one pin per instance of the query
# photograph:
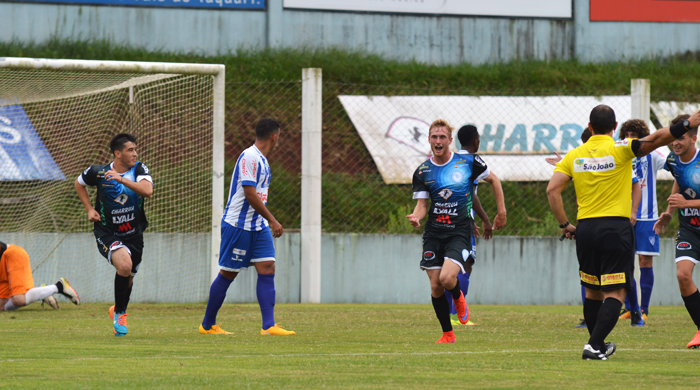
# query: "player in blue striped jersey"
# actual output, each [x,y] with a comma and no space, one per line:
[646,240]
[247,229]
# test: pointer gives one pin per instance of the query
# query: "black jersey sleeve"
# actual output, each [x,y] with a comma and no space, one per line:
[478,168]
[90,175]
[420,190]
[141,171]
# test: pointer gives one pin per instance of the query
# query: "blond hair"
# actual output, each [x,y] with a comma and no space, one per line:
[441,123]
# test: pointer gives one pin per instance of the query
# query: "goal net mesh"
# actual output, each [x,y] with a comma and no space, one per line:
[55,124]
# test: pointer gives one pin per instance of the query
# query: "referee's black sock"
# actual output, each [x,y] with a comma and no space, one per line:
[607,319]
[591,308]
[456,291]
[121,287]
[692,303]
[442,311]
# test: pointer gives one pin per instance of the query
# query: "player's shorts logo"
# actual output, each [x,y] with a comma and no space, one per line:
[121,199]
[115,244]
[684,246]
[445,193]
[652,240]
[428,255]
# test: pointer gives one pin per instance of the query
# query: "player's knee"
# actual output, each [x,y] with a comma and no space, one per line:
[448,281]
[646,261]
[684,277]
[19,300]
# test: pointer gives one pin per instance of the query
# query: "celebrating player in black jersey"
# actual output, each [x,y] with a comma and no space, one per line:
[447,179]
[119,217]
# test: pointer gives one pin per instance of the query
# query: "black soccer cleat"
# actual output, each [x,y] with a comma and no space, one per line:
[610,349]
[593,354]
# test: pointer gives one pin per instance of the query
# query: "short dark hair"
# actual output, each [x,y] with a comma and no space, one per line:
[635,125]
[586,135]
[680,118]
[265,128]
[467,134]
[119,140]
[602,119]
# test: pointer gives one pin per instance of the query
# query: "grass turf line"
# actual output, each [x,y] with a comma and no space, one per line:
[352,346]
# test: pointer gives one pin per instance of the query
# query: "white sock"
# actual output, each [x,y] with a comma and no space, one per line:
[9,305]
[39,293]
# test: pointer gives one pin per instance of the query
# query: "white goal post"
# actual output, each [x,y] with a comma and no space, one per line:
[198,100]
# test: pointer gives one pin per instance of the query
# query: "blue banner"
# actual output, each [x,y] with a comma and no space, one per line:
[220,4]
[22,154]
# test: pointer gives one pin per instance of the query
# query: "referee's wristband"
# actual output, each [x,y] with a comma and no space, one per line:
[563,225]
[678,130]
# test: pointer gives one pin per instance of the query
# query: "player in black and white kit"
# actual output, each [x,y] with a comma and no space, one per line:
[447,180]
[119,217]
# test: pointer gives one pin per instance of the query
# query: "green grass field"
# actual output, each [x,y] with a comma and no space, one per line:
[338,346]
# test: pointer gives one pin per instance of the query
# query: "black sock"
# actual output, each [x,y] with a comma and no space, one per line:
[59,286]
[128,295]
[607,318]
[442,311]
[456,291]
[692,304]
[121,286]
[590,313]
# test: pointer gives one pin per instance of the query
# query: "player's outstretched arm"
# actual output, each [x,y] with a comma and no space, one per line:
[485,222]
[252,197]
[553,160]
[663,137]
[500,220]
[93,215]
[419,212]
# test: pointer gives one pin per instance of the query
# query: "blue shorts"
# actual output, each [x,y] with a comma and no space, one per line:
[472,252]
[241,247]
[647,242]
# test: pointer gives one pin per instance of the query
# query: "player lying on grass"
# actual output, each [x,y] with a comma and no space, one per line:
[17,283]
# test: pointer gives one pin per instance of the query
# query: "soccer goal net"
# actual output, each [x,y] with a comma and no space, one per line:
[57,118]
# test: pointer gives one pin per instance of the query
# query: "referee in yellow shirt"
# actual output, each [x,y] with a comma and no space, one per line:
[604,235]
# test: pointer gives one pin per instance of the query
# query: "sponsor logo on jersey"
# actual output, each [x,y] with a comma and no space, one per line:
[122,211]
[117,219]
[445,193]
[598,164]
[125,227]
[262,196]
[429,182]
[613,278]
[452,212]
[424,166]
[121,199]
[691,212]
[590,279]
[428,255]
[237,251]
[244,171]
[145,169]
[479,160]
[684,246]
[622,142]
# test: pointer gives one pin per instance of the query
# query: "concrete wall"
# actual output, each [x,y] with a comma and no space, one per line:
[356,268]
[429,39]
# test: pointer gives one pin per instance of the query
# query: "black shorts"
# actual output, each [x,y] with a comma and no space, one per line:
[456,246]
[687,245]
[107,243]
[605,249]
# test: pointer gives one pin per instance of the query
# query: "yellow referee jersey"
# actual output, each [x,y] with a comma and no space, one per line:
[602,173]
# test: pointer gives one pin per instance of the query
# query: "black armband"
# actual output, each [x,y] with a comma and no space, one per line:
[678,130]
[563,225]
[635,145]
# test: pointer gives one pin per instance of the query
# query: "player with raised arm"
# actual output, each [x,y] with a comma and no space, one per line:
[447,181]
[683,164]
[646,240]
[17,283]
[247,229]
[469,140]
[119,217]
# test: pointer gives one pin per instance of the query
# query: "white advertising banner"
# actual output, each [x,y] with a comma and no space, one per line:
[517,133]
[514,8]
